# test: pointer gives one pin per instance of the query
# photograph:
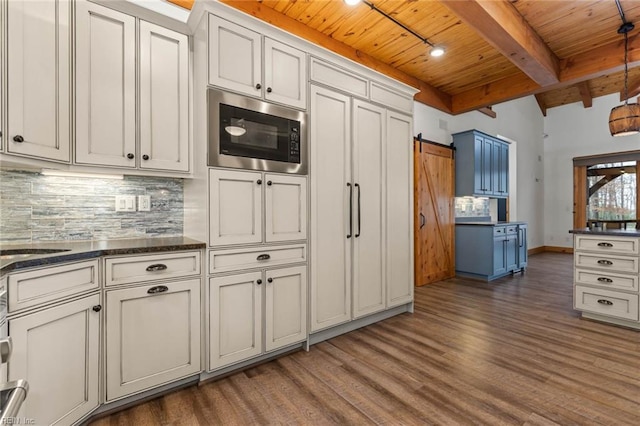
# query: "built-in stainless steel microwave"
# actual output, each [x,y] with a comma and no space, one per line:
[247,133]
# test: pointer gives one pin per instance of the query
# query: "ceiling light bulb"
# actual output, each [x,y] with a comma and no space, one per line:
[352,2]
[436,51]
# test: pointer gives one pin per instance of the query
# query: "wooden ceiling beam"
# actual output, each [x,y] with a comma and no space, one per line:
[488,111]
[585,94]
[597,62]
[541,104]
[502,26]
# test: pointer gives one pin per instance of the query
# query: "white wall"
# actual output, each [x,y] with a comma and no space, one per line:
[574,131]
[519,120]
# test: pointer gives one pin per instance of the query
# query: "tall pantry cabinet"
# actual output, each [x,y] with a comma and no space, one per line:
[360,193]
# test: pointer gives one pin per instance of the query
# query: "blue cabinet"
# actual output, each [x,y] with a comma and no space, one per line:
[487,251]
[482,165]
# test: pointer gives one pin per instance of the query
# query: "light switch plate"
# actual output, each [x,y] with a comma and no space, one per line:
[125,203]
[144,203]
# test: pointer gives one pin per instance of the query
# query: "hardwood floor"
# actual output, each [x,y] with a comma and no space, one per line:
[512,352]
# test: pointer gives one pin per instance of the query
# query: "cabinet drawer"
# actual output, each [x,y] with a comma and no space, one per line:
[607,280]
[499,230]
[602,244]
[511,229]
[338,78]
[35,287]
[610,263]
[239,259]
[135,269]
[606,302]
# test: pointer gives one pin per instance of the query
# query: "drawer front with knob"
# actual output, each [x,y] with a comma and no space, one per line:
[135,269]
[607,279]
[258,257]
[606,302]
[607,244]
[609,263]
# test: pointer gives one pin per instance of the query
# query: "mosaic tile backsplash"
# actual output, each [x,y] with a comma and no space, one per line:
[36,208]
[472,207]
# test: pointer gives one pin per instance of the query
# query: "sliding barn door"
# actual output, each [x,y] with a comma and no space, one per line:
[434,212]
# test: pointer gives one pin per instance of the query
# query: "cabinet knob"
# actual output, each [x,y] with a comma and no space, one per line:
[130,156]
[269,90]
[97,308]
[259,282]
[258,86]
[18,138]
[145,157]
[270,280]
[259,181]
[269,183]
[0,133]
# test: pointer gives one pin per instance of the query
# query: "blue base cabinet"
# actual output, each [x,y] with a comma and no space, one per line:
[482,165]
[487,251]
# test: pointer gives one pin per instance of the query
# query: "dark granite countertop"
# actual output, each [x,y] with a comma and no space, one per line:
[486,223]
[610,232]
[81,250]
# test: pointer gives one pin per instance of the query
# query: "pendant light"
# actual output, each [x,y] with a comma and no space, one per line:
[624,120]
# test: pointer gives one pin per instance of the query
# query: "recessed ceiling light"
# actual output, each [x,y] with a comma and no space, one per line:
[352,2]
[436,51]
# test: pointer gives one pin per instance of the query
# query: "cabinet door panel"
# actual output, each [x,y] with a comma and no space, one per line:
[285,208]
[285,71]
[235,57]
[152,338]
[331,249]
[399,209]
[105,86]
[235,322]
[499,256]
[54,349]
[285,307]
[235,207]
[503,172]
[164,98]
[39,78]
[368,215]
[512,252]
[486,170]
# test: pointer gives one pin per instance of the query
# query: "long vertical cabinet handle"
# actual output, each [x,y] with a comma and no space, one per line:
[357,185]
[350,210]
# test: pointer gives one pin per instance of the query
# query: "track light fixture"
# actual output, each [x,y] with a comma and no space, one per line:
[435,50]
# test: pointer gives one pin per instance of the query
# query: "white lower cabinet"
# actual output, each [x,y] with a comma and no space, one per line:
[152,335]
[56,351]
[241,304]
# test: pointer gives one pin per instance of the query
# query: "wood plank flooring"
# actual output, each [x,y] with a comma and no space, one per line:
[512,352]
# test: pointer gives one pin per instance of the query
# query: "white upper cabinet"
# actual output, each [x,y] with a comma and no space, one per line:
[39,79]
[105,86]
[164,98]
[236,58]
[107,95]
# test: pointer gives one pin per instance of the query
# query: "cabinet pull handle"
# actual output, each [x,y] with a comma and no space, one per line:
[605,245]
[258,86]
[97,308]
[358,233]
[605,302]
[263,257]
[350,210]
[18,138]
[158,289]
[423,221]
[605,262]
[259,181]
[258,281]
[270,280]
[605,280]
[156,267]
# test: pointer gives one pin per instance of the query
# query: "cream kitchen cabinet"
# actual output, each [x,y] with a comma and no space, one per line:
[38,86]
[106,92]
[152,320]
[236,59]
[240,201]
[237,317]
[360,209]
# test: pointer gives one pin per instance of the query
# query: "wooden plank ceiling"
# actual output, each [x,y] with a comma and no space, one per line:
[562,51]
